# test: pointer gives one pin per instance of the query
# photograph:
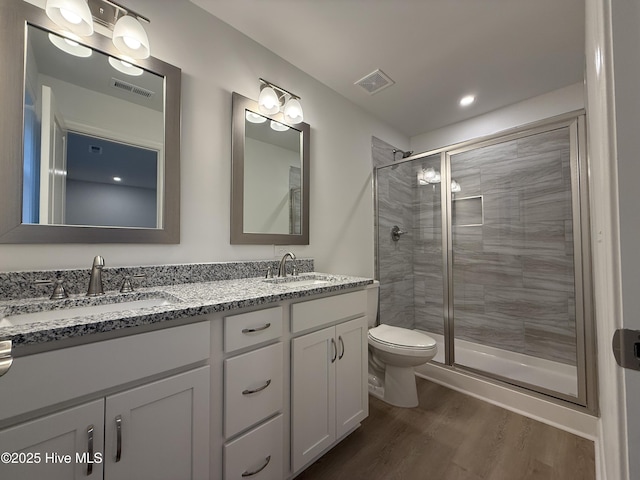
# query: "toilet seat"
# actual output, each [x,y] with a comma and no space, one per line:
[401,340]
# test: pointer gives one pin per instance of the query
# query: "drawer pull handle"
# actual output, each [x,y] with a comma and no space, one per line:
[90,450]
[335,350]
[256,390]
[253,330]
[342,346]
[255,472]
[118,438]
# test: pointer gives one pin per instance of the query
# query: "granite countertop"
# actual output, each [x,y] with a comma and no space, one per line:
[184,300]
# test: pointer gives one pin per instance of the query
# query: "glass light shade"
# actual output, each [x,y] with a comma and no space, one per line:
[278,127]
[130,38]
[254,117]
[455,186]
[422,178]
[69,46]
[72,15]
[293,111]
[268,101]
[125,67]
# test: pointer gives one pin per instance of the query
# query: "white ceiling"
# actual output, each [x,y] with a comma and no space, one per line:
[503,51]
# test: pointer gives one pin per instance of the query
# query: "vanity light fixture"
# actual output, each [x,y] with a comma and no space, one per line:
[274,99]
[72,15]
[278,127]
[455,186]
[70,46]
[78,17]
[254,117]
[125,67]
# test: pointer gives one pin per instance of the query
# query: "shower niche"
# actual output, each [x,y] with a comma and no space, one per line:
[495,261]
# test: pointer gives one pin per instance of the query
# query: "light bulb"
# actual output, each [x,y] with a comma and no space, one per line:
[132,42]
[467,100]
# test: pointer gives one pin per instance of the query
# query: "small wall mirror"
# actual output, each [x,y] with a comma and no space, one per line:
[95,142]
[270,178]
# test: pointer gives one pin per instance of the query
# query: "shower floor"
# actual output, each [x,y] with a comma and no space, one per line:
[547,374]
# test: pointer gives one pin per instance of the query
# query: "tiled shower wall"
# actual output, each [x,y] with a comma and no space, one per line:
[513,260]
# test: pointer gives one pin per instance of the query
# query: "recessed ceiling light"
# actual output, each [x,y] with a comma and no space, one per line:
[117,179]
[467,100]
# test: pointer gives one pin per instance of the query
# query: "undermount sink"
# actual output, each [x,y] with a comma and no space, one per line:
[17,318]
[299,281]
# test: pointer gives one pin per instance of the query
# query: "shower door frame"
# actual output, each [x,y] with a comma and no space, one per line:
[586,399]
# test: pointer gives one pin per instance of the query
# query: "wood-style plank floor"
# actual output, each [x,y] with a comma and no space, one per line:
[452,436]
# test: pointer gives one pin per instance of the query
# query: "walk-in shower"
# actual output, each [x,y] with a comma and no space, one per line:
[484,246]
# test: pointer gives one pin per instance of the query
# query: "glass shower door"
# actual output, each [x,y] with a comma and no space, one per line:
[513,213]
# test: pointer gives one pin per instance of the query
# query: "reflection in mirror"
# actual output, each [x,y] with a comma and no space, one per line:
[93,137]
[272,156]
[270,178]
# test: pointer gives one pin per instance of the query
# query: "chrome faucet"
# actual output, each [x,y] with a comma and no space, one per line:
[282,269]
[95,282]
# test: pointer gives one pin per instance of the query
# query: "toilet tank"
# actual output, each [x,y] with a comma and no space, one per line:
[372,303]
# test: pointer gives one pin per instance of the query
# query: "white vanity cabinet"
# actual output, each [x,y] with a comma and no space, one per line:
[157,430]
[328,373]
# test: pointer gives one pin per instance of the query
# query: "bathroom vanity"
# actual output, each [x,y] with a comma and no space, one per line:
[245,378]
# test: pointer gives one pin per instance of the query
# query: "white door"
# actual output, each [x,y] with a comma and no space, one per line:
[57,446]
[159,431]
[313,416]
[53,161]
[352,398]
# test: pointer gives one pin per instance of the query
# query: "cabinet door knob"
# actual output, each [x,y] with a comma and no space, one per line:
[255,472]
[256,390]
[90,450]
[335,350]
[341,346]
[118,438]
[253,330]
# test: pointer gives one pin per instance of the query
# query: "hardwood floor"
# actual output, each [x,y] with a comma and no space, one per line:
[452,436]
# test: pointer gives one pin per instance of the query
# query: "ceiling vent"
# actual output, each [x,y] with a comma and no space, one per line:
[131,88]
[375,81]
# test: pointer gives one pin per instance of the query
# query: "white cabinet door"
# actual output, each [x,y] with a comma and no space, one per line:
[159,431]
[352,401]
[313,417]
[57,446]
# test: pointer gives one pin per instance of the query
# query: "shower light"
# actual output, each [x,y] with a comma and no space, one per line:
[72,15]
[467,100]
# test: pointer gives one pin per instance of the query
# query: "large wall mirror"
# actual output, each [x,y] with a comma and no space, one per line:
[270,178]
[91,144]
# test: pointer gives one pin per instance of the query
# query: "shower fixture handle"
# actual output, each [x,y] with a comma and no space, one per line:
[396,232]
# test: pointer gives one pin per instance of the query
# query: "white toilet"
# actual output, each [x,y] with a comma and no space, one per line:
[393,352]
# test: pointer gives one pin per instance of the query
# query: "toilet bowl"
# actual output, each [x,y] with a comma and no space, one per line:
[394,351]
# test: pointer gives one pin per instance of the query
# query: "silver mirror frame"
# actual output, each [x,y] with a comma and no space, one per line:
[14,17]
[238,236]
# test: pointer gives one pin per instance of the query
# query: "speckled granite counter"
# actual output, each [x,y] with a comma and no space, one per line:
[184,300]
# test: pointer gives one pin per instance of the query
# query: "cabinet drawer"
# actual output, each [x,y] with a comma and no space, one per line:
[328,310]
[252,328]
[259,451]
[253,387]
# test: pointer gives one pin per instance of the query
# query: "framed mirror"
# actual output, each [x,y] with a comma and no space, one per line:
[269,179]
[92,143]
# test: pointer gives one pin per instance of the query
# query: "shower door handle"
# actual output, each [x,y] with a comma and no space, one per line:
[396,232]
[626,348]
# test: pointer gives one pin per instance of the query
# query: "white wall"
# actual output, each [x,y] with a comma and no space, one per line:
[216,60]
[545,106]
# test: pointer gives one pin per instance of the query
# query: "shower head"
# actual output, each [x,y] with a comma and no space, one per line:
[406,154]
